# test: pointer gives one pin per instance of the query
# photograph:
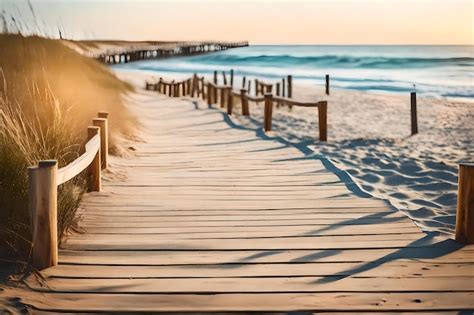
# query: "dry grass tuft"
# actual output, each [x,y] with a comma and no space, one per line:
[48,96]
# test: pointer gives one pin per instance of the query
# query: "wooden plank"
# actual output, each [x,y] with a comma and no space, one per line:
[283,243]
[405,269]
[250,285]
[275,223]
[183,233]
[377,301]
[447,253]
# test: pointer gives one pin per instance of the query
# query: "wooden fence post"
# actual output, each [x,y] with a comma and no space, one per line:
[94,180]
[230,100]
[267,121]
[414,118]
[104,140]
[215,77]
[170,87]
[327,84]
[283,87]
[323,120]
[243,82]
[244,102]
[223,97]
[249,86]
[44,198]
[159,84]
[256,87]
[103,114]
[231,77]
[203,87]
[278,93]
[290,86]
[224,78]
[176,89]
[193,86]
[209,94]
[465,209]
[214,94]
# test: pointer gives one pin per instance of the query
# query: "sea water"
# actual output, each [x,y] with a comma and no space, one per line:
[438,71]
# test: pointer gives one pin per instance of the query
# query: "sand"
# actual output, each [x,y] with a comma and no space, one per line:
[369,138]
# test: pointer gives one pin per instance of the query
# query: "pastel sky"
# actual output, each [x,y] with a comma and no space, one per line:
[259,21]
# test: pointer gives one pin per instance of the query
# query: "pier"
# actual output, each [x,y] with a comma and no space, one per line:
[141,51]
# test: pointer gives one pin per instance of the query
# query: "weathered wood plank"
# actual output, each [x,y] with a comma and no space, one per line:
[393,269]
[360,301]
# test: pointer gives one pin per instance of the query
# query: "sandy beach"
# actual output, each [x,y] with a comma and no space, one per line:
[369,138]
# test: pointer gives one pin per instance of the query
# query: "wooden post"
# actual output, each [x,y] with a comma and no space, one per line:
[209,94]
[193,86]
[414,118]
[323,120]
[268,88]
[215,77]
[214,92]
[223,97]
[283,87]
[290,86]
[256,87]
[224,78]
[203,87]
[327,84]
[268,111]
[103,114]
[245,102]
[231,77]
[465,209]
[104,140]
[243,82]
[94,178]
[230,100]
[176,89]
[44,198]
[278,93]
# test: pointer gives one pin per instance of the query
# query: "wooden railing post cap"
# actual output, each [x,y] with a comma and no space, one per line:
[47,163]
[93,129]
[99,119]
[103,114]
[243,90]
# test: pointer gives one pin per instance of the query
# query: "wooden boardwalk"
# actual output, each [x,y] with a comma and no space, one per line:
[213,217]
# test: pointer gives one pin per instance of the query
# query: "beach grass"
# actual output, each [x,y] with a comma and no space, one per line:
[48,95]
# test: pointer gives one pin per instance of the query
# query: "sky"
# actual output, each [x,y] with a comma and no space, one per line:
[344,22]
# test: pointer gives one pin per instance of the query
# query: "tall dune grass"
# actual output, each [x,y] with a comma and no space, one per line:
[48,96]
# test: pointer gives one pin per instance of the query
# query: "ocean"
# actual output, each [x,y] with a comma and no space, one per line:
[437,71]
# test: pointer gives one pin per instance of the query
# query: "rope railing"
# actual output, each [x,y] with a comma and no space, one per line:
[223,95]
[43,182]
